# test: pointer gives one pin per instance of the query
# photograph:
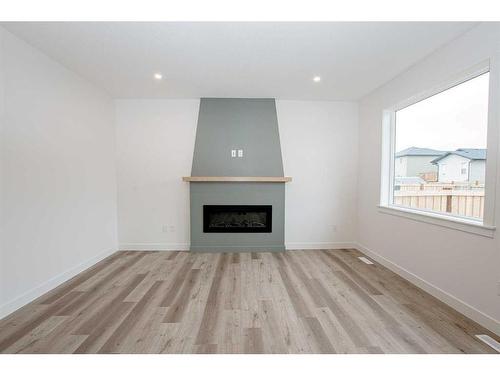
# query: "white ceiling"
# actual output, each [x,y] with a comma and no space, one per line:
[238,59]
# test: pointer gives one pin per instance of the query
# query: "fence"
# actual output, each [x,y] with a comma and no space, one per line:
[454,199]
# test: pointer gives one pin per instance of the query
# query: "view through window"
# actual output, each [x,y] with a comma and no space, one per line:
[440,151]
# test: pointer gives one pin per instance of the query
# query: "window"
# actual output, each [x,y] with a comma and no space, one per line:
[442,138]
[463,170]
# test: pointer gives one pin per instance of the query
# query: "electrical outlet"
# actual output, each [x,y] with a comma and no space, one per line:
[240,153]
[171,228]
[233,153]
[164,228]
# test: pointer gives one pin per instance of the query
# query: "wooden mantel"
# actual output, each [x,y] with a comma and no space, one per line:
[235,179]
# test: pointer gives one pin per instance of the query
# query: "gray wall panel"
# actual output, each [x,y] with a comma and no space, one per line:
[251,125]
[220,193]
[247,124]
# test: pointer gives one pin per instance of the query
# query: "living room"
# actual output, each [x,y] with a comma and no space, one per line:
[249,187]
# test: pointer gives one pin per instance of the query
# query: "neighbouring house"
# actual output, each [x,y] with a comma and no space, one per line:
[462,165]
[417,162]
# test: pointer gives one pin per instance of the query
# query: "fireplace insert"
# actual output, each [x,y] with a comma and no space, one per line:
[237,219]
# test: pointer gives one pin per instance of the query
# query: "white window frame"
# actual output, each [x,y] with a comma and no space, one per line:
[486,227]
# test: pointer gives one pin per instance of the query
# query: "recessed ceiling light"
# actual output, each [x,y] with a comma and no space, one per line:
[158,76]
[317,78]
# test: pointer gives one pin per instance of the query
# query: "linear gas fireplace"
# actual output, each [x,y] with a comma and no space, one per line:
[237,219]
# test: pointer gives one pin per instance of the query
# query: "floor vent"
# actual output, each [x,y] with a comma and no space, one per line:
[490,341]
[365,260]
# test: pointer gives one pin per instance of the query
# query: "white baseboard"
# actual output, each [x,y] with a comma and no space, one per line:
[319,245]
[50,284]
[185,246]
[452,301]
[161,246]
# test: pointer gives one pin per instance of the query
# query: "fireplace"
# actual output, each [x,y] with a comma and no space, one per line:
[237,219]
[249,190]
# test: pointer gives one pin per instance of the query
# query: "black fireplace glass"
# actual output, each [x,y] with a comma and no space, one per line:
[237,218]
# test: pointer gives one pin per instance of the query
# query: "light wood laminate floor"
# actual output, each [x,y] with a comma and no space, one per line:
[292,302]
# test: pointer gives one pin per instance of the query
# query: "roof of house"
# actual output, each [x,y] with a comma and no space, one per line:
[469,153]
[418,151]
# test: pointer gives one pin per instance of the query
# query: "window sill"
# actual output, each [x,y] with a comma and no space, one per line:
[464,225]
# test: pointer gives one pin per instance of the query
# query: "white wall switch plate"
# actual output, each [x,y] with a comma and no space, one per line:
[233,153]
[240,153]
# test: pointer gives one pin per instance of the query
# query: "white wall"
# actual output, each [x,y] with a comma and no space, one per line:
[461,268]
[413,166]
[319,147]
[155,142]
[450,169]
[420,164]
[477,170]
[401,166]
[58,185]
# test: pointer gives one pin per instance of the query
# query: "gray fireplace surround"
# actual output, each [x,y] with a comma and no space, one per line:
[251,125]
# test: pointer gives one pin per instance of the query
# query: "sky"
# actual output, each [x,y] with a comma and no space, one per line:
[455,118]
